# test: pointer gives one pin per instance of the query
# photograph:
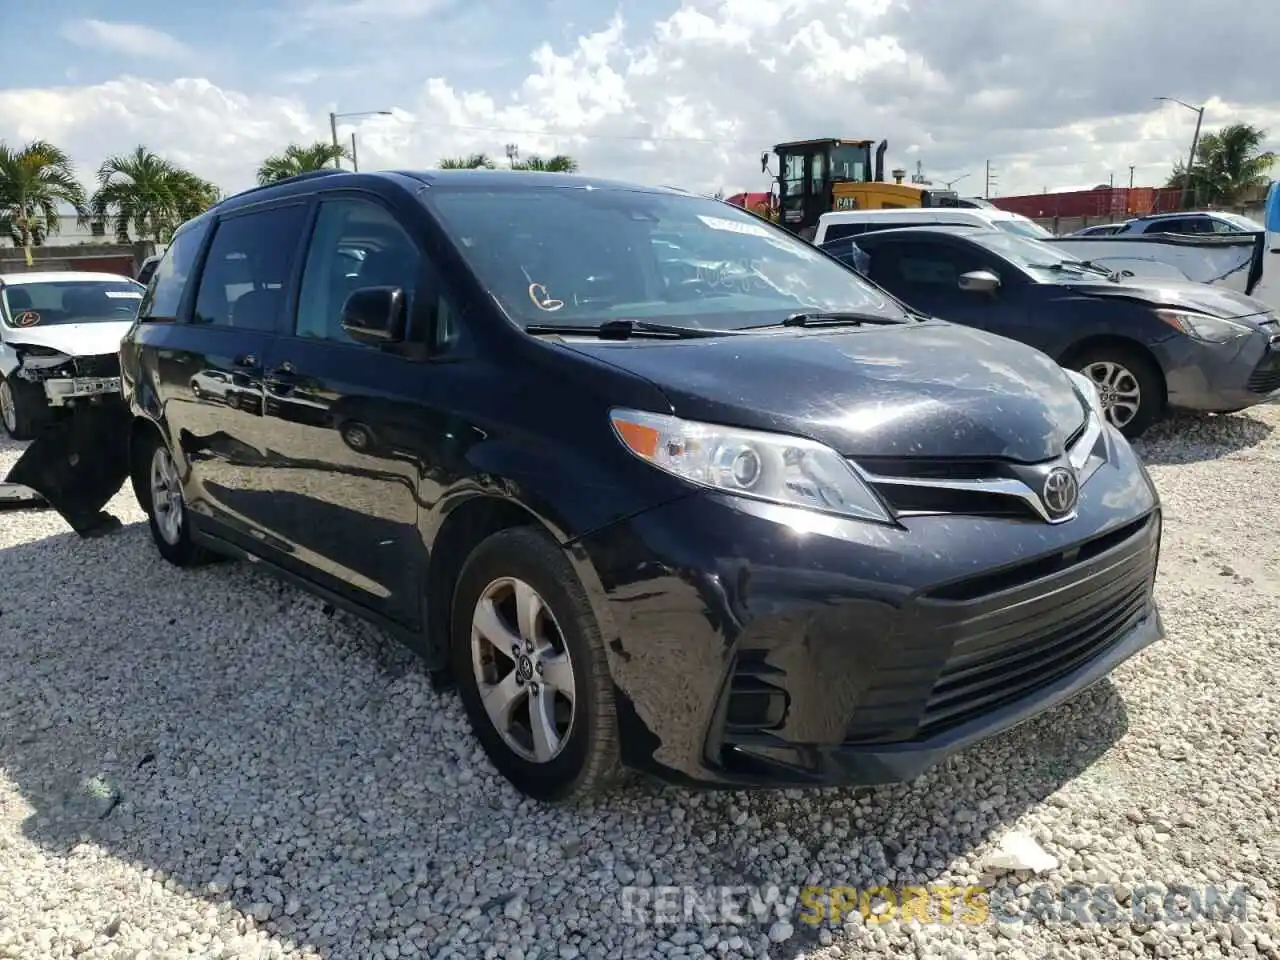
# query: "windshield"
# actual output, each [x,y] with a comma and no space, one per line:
[582,256]
[1022,228]
[1042,260]
[1244,223]
[46,303]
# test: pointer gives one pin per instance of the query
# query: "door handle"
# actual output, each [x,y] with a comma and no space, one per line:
[246,361]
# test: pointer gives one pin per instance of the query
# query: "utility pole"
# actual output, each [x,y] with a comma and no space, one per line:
[355,164]
[1195,142]
[333,127]
[1131,176]
[992,178]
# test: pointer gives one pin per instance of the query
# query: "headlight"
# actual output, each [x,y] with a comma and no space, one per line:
[749,463]
[1088,391]
[1201,326]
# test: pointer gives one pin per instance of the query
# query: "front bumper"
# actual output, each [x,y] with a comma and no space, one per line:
[1217,377]
[60,391]
[750,650]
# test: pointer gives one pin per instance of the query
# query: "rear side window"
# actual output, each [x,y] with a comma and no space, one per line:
[247,269]
[169,278]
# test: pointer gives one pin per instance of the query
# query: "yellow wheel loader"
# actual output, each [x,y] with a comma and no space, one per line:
[818,176]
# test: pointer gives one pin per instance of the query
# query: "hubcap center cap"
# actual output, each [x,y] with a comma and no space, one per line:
[524,669]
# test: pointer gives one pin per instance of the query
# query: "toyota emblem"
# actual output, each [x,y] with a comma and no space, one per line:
[1060,492]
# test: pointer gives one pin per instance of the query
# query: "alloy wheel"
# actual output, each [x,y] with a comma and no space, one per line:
[166,496]
[1118,388]
[8,410]
[523,670]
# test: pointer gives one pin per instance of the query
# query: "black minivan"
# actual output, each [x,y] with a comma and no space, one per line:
[657,484]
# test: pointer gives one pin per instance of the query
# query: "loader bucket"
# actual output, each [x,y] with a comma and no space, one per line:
[76,464]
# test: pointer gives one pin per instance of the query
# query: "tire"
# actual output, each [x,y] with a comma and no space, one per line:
[1119,371]
[173,541]
[22,409]
[586,732]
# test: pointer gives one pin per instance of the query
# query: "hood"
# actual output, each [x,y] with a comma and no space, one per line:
[1213,299]
[73,339]
[929,389]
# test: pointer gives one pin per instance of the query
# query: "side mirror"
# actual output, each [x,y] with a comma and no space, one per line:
[979,281]
[375,315]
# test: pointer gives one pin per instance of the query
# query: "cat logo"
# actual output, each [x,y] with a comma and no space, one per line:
[846,203]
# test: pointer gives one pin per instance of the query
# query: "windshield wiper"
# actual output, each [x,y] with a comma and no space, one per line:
[1085,266]
[626,329]
[833,318]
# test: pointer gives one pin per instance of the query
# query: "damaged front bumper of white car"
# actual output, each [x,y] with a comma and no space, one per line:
[65,379]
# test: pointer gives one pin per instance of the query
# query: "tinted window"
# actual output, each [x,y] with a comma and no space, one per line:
[355,244]
[49,303]
[578,256]
[169,278]
[249,262]
[922,264]
[1181,225]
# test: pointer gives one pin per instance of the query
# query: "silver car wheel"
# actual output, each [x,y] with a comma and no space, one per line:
[523,670]
[1118,388]
[166,496]
[8,410]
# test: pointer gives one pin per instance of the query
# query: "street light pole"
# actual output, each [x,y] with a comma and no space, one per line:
[333,129]
[1195,142]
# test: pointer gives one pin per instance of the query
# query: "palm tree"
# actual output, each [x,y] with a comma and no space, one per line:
[1230,165]
[149,195]
[477,161]
[557,164]
[33,181]
[298,158]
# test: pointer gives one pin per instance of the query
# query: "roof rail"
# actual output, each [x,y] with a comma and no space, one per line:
[297,178]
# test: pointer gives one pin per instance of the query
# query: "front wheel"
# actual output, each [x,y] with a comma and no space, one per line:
[1130,386]
[530,666]
[21,409]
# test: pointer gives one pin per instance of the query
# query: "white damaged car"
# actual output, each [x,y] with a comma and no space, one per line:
[60,338]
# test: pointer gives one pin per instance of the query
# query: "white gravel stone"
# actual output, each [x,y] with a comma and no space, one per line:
[211,764]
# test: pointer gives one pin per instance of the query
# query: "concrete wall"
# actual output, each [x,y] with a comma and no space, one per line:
[72,233]
[1064,225]
[124,259]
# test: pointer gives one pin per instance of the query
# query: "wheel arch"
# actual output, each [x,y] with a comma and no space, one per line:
[1102,340]
[462,528]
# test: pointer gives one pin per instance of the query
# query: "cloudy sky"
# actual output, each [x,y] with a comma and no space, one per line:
[1055,93]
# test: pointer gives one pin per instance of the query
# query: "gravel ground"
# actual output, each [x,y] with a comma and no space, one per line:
[208,764]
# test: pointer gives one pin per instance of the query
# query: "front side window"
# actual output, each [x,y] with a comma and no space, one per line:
[582,256]
[355,244]
[245,272]
[916,264]
[52,302]
[169,278]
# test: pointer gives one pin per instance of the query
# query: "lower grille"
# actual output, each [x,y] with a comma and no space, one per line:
[975,645]
[1265,379]
[104,365]
[977,681]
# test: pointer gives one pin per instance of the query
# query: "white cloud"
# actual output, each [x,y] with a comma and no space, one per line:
[696,97]
[131,39]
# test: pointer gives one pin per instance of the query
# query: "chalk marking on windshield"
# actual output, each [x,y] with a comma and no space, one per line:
[28,318]
[732,226]
[542,298]
[123,295]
